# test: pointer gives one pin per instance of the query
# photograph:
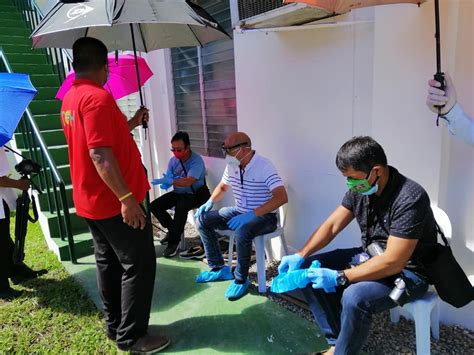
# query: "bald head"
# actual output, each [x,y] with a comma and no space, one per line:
[237,138]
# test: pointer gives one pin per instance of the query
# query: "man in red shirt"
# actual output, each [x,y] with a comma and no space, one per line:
[110,184]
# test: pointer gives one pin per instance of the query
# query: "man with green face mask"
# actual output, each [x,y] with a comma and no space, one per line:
[395,218]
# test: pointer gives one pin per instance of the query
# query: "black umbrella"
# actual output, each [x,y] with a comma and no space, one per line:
[142,25]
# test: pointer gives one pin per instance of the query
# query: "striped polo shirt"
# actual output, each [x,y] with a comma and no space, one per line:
[252,186]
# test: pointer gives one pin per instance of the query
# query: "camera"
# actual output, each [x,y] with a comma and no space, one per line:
[399,293]
[27,167]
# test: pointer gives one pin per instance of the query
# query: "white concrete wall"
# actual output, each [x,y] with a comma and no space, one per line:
[302,94]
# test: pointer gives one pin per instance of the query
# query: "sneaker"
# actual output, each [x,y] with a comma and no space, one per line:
[194,253]
[9,294]
[149,344]
[165,239]
[171,250]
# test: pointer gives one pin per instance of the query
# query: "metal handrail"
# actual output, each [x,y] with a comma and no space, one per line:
[49,173]
[60,58]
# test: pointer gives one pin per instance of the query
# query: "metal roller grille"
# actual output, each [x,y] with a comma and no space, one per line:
[249,8]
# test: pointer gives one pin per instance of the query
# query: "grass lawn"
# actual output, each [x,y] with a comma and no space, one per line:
[54,314]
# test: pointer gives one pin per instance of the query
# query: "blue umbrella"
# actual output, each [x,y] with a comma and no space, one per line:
[16,93]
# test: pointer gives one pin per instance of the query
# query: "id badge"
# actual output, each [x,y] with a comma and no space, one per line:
[244,201]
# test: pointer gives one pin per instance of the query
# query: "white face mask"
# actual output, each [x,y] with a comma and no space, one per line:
[233,161]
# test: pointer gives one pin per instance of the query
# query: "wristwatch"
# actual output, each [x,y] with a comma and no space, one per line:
[341,278]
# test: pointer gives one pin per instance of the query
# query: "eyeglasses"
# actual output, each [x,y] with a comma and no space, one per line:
[179,150]
[227,150]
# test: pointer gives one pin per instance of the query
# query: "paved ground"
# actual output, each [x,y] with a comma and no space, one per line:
[200,320]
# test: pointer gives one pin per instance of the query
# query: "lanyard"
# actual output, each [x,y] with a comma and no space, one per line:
[242,171]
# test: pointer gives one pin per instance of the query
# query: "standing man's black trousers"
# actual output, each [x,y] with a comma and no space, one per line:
[182,204]
[126,266]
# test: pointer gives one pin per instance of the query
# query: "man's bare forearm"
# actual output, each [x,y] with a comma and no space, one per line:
[108,169]
[278,199]
[218,192]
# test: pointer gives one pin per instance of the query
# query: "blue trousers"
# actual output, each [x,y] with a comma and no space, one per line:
[346,315]
[207,224]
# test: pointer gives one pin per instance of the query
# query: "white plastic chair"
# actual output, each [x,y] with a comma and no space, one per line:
[260,246]
[425,311]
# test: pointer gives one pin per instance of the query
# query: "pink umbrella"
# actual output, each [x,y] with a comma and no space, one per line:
[122,77]
[337,7]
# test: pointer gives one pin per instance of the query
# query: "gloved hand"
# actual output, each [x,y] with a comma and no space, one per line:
[290,263]
[166,180]
[438,97]
[204,208]
[241,220]
[323,278]
[165,186]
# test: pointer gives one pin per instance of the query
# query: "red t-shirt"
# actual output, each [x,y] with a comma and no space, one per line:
[91,119]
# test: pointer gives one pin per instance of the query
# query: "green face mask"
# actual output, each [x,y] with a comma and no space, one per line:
[362,186]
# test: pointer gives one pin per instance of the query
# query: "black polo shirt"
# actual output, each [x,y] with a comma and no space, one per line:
[402,210]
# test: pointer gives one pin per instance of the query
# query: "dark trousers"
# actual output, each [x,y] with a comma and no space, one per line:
[182,204]
[126,266]
[6,249]
[345,316]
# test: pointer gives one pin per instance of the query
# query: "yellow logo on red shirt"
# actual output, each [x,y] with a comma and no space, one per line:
[67,117]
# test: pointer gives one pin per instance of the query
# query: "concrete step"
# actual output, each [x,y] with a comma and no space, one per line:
[45,93]
[11,38]
[20,48]
[14,22]
[58,154]
[45,203]
[78,224]
[44,107]
[48,122]
[51,138]
[5,14]
[32,68]
[44,80]
[37,58]
[83,246]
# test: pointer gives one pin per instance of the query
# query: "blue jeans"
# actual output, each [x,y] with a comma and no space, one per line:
[345,316]
[207,224]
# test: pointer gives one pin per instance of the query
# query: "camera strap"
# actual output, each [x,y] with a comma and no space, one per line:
[14,151]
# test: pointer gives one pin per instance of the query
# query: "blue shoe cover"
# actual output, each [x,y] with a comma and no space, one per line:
[235,291]
[209,276]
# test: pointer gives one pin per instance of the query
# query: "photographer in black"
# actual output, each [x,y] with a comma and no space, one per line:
[18,272]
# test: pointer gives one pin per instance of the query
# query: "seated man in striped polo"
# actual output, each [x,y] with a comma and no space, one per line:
[258,192]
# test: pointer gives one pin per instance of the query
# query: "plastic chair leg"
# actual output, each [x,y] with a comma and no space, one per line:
[422,329]
[435,320]
[283,242]
[395,315]
[231,250]
[261,275]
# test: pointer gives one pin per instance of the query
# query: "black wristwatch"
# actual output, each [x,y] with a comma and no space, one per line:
[341,278]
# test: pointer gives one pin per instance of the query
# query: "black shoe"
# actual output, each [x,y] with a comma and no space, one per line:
[149,344]
[194,253]
[22,273]
[10,294]
[171,250]
[165,240]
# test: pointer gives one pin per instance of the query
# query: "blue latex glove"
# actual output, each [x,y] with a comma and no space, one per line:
[204,208]
[323,278]
[241,220]
[165,186]
[290,281]
[290,263]
[165,180]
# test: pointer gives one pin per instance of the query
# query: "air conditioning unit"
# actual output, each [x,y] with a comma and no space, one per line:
[273,13]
